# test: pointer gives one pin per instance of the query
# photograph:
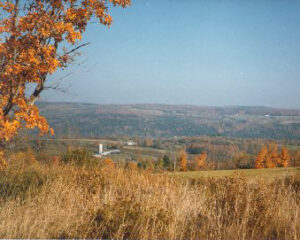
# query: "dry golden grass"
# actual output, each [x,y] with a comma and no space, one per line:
[271,173]
[71,202]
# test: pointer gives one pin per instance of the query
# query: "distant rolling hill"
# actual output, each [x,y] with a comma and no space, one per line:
[158,120]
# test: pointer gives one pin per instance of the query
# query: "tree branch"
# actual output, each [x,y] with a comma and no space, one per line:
[75,49]
[37,91]
[10,104]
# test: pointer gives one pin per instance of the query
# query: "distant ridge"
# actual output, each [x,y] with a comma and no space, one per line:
[297,110]
[164,120]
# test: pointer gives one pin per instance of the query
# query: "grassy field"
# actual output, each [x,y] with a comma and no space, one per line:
[82,198]
[67,201]
[272,173]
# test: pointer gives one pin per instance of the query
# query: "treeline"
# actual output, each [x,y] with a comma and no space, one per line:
[175,154]
[270,157]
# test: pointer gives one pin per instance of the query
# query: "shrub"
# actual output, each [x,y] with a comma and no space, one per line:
[76,156]
[131,165]
[167,163]
[108,163]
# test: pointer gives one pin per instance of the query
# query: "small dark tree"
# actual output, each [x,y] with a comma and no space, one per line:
[167,163]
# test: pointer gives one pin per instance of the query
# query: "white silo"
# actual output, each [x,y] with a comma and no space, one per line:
[100,148]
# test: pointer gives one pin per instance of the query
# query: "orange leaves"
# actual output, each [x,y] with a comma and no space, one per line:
[108,20]
[77,16]
[73,36]
[122,3]
[8,128]
[52,131]
[56,3]
[259,161]
[269,157]
[32,48]
[27,117]
[32,119]
[200,160]
[182,160]
[7,6]
[285,157]
[269,162]
[109,163]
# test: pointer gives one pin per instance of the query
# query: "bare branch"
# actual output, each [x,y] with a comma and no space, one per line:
[56,88]
[75,49]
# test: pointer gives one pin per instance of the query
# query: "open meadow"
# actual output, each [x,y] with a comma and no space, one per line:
[266,173]
[68,201]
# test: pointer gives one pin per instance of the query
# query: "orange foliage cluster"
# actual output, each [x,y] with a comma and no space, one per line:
[109,163]
[268,157]
[182,160]
[200,160]
[36,40]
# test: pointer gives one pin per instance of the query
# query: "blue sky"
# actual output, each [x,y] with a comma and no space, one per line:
[200,52]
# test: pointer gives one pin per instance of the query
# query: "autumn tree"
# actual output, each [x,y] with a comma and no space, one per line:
[269,162]
[270,158]
[200,160]
[260,159]
[38,37]
[182,160]
[273,155]
[285,157]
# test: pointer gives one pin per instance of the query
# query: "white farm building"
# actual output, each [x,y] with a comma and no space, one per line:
[105,153]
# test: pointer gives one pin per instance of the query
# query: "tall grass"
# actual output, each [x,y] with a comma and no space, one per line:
[72,202]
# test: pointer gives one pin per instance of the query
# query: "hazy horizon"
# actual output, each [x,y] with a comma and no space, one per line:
[203,53]
[167,104]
